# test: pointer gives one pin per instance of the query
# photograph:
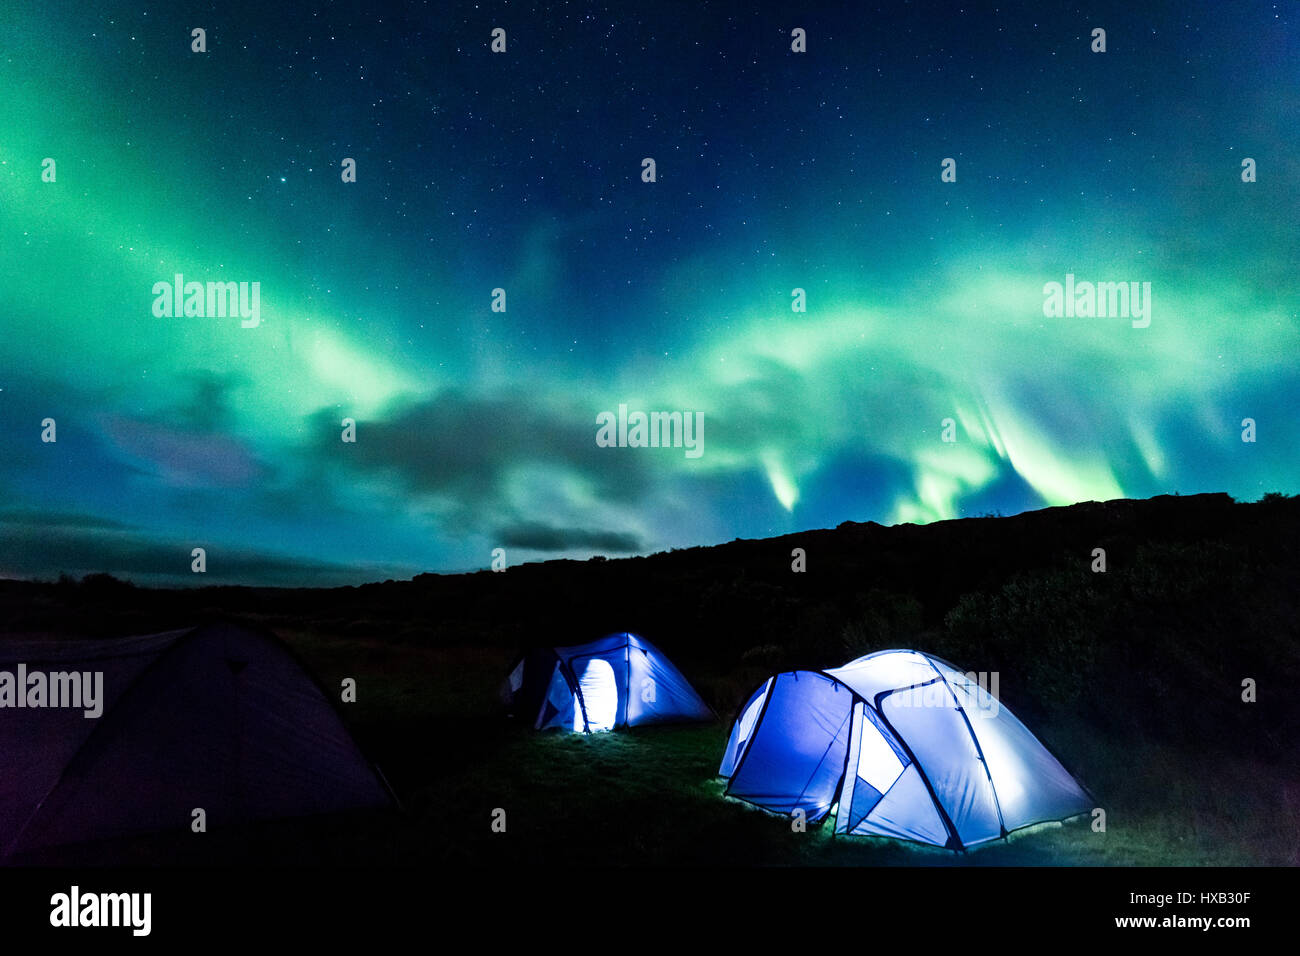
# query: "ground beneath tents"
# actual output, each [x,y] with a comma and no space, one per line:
[650,796]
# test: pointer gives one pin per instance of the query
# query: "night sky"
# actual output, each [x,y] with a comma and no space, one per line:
[522,170]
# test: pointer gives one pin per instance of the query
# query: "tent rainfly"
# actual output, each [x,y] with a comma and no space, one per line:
[219,717]
[896,744]
[621,680]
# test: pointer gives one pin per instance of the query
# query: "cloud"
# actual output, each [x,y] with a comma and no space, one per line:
[68,520]
[44,546]
[184,457]
[535,536]
[470,447]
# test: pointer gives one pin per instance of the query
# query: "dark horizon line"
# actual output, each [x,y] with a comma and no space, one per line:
[65,577]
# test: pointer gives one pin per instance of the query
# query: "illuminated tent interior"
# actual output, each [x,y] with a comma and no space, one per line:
[896,744]
[618,681]
[220,717]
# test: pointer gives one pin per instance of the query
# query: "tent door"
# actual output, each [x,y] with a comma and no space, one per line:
[597,696]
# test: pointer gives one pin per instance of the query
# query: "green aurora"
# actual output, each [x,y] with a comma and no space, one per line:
[475,429]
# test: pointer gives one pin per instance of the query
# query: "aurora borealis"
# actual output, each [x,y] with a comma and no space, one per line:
[522,171]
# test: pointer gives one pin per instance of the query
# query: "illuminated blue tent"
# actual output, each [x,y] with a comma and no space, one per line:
[896,744]
[621,680]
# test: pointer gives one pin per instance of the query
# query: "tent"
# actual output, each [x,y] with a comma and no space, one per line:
[621,680]
[220,717]
[897,744]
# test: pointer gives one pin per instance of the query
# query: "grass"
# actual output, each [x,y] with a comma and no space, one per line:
[650,796]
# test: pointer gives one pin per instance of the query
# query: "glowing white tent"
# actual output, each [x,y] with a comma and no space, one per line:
[621,680]
[900,744]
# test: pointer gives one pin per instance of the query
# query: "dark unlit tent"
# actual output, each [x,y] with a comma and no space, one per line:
[220,717]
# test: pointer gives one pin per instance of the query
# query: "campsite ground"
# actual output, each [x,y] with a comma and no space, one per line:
[1133,677]
[650,796]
